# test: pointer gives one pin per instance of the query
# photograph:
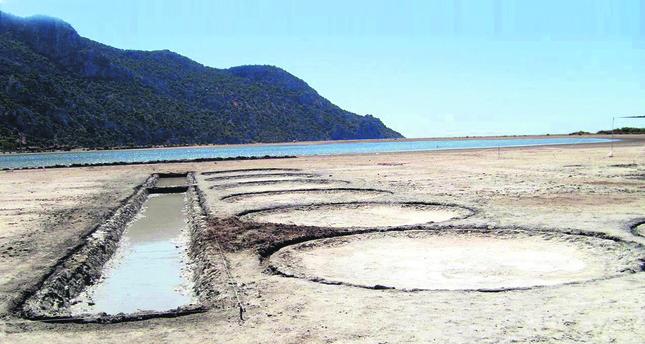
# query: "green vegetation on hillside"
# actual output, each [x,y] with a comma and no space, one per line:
[617,131]
[624,130]
[58,89]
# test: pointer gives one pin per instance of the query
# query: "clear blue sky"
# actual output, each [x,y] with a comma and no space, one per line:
[426,68]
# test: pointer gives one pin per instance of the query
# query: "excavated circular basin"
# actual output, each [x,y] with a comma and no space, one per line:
[249,171]
[259,176]
[359,214]
[278,184]
[286,197]
[457,260]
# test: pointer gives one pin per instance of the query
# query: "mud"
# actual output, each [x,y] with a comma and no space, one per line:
[212,285]
[167,189]
[458,260]
[234,235]
[172,175]
[359,214]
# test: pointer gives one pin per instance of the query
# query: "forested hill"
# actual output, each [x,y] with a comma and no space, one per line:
[57,88]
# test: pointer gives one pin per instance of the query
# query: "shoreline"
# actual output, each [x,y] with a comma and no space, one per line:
[314,143]
[630,140]
[152,162]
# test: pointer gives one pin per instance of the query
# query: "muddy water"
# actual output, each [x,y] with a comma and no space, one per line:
[179,181]
[148,269]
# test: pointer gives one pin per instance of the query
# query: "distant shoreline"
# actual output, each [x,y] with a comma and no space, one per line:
[445,146]
[179,161]
[308,143]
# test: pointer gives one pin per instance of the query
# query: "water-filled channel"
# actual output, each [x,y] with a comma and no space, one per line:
[148,271]
[173,181]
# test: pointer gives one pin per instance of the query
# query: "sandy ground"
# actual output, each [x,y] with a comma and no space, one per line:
[365,215]
[44,213]
[457,260]
[292,197]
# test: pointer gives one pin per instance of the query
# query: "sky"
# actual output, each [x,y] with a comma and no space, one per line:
[426,68]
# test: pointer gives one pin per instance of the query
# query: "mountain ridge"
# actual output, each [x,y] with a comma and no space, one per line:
[60,89]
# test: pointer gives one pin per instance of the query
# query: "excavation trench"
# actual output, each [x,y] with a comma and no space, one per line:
[462,259]
[171,179]
[148,270]
[135,265]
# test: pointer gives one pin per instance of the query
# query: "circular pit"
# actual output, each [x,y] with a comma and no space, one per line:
[457,259]
[358,214]
[286,197]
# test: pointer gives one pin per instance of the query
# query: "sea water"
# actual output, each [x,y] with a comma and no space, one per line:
[145,155]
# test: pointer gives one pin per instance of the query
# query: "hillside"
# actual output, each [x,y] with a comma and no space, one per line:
[60,89]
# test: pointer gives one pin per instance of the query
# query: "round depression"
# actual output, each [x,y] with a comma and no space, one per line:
[259,176]
[360,215]
[249,170]
[281,184]
[457,260]
[285,197]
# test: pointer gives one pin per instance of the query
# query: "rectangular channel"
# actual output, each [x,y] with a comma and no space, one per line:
[171,181]
[148,271]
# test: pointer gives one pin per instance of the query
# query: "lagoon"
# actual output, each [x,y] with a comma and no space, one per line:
[11,161]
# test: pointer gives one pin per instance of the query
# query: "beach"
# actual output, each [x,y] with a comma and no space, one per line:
[569,195]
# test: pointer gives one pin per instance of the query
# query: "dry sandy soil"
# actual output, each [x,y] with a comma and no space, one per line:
[45,213]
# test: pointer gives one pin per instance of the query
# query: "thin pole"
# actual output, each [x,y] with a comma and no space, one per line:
[613,119]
